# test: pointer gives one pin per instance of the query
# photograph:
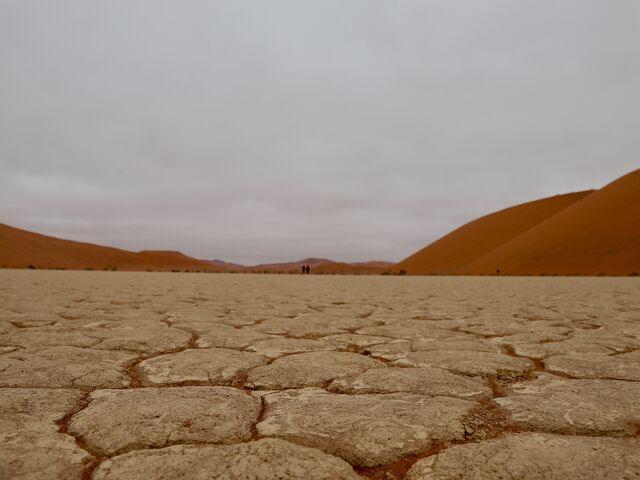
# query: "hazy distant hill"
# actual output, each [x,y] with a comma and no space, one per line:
[23,249]
[319,265]
[365,268]
[225,265]
[287,266]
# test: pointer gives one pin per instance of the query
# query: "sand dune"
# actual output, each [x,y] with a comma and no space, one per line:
[318,265]
[599,235]
[286,267]
[230,266]
[454,251]
[21,248]
[583,233]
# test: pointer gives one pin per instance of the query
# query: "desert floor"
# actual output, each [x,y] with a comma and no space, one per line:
[111,375]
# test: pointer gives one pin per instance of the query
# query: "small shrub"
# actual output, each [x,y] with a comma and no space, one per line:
[31,267]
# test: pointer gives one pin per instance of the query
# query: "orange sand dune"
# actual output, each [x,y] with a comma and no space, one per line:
[583,233]
[598,235]
[21,248]
[454,251]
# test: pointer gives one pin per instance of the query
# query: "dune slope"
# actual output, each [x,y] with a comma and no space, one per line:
[453,252]
[21,248]
[598,235]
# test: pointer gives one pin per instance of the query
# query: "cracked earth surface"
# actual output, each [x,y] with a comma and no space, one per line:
[112,375]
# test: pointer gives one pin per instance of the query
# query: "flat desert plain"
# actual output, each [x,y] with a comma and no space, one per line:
[112,375]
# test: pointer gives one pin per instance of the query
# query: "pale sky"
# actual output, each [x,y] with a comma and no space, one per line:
[254,130]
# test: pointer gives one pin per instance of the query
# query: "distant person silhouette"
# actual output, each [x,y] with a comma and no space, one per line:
[304,269]
[308,269]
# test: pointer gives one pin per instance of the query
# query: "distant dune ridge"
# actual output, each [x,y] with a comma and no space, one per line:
[285,267]
[340,268]
[583,233]
[22,249]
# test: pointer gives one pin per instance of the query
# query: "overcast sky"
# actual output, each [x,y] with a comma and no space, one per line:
[274,130]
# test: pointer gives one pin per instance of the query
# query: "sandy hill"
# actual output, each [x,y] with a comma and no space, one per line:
[225,265]
[583,233]
[287,267]
[479,237]
[318,265]
[21,248]
[598,235]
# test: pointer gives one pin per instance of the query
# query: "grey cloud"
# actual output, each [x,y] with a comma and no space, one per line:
[255,131]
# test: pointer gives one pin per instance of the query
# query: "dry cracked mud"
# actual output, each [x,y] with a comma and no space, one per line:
[590,407]
[427,381]
[110,375]
[533,456]
[213,366]
[120,420]
[31,445]
[365,430]
[264,459]
[309,369]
